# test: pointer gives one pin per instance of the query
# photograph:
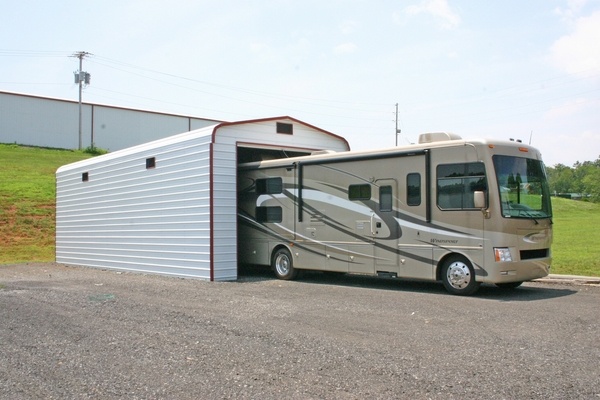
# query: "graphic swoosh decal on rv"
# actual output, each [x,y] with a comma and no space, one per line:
[366,209]
[245,219]
[270,232]
[436,231]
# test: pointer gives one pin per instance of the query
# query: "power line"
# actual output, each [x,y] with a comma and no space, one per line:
[221,86]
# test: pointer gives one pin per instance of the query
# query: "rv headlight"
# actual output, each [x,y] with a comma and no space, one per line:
[502,254]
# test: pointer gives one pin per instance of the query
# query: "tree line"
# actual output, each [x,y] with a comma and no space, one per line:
[582,179]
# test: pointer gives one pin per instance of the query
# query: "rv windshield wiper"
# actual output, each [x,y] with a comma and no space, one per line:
[530,215]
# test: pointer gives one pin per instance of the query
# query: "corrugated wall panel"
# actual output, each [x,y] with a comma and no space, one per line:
[132,218]
[224,212]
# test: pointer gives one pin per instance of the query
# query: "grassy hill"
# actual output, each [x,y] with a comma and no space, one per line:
[27,207]
[27,201]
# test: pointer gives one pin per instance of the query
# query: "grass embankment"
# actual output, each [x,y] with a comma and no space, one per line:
[576,247]
[27,201]
[27,209]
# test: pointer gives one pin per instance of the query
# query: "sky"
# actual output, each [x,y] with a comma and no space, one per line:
[526,70]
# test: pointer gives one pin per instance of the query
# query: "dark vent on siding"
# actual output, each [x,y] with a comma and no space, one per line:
[85,177]
[150,162]
[286,129]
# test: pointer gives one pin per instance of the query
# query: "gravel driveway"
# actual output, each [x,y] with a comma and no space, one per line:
[82,333]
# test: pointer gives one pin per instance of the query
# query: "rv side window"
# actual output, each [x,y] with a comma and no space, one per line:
[269,214]
[456,184]
[269,186]
[359,192]
[385,198]
[413,189]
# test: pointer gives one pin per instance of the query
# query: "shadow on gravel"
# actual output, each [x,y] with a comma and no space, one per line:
[526,292]
[254,273]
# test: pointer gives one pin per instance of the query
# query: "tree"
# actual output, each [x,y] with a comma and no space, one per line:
[591,181]
[560,178]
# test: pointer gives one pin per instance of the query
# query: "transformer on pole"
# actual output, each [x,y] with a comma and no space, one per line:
[81,78]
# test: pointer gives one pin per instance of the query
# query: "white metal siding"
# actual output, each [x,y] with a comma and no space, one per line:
[131,218]
[224,194]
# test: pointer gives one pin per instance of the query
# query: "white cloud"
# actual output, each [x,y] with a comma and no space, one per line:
[345,48]
[438,9]
[578,52]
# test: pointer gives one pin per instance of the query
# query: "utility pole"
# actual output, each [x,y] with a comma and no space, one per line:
[81,78]
[397,130]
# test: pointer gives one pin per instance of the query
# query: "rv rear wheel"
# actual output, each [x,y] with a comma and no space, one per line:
[283,265]
[458,276]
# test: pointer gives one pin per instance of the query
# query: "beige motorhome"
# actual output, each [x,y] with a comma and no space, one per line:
[463,212]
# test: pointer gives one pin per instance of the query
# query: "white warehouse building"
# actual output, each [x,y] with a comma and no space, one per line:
[50,122]
[170,206]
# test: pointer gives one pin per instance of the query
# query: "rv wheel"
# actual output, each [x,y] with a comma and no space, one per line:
[283,265]
[458,276]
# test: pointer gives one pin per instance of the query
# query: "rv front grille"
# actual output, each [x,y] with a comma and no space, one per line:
[531,254]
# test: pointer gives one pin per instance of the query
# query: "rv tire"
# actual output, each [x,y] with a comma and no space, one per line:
[283,265]
[458,276]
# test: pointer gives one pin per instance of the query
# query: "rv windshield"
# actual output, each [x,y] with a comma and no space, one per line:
[523,187]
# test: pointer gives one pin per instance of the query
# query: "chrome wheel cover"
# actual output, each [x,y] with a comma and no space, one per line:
[282,264]
[459,275]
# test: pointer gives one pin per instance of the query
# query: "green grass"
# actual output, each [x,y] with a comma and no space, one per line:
[27,209]
[576,247]
[27,201]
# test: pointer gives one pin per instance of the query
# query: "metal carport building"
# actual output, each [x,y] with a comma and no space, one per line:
[170,206]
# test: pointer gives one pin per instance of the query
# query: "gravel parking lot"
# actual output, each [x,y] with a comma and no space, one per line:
[82,333]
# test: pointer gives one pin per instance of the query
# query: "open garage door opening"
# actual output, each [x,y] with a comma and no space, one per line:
[252,154]
[257,154]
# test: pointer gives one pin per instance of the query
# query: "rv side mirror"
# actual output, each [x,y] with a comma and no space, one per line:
[479,199]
